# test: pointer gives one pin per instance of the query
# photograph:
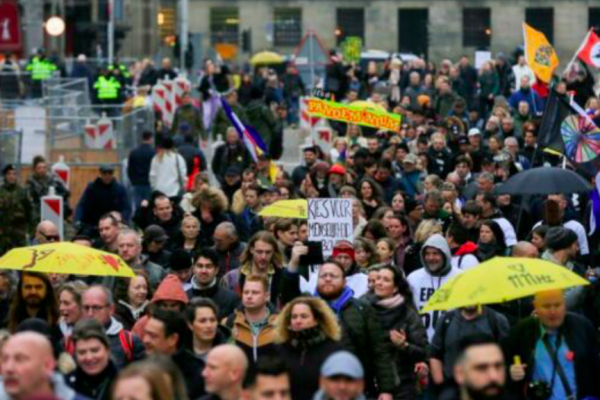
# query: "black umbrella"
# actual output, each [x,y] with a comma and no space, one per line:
[544,181]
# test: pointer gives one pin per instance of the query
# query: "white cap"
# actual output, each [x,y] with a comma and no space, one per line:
[474,132]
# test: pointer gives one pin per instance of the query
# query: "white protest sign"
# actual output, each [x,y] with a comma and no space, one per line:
[330,221]
[481,57]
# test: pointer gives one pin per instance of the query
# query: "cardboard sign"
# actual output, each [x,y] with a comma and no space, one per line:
[330,221]
[354,115]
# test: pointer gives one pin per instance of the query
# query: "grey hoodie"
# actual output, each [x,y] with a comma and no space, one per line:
[423,283]
[61,390]
[437,241]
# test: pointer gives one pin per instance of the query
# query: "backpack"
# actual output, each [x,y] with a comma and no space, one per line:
[126,339]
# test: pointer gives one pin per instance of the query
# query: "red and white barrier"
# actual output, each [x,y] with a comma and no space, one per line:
[52,209]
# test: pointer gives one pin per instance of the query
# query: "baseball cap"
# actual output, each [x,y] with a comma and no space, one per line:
[474,132]
[342,363]
[155,233]
[410,159]
[463,140]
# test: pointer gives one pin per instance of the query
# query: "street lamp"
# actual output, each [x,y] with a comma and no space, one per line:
[55,26]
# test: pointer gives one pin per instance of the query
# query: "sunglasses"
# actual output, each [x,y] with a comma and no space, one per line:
[51,238]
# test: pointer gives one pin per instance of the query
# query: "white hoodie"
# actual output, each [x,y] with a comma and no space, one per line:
[423,283]
[164,175]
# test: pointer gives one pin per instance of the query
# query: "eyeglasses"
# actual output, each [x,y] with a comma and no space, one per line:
[50,238]
[93,308]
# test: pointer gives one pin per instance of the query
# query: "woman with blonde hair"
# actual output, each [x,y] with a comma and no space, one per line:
[168,171]
[307,333]
[188,238]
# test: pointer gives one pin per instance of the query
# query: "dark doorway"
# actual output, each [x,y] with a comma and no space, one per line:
[413,31]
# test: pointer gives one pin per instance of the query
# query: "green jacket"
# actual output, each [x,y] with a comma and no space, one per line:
[444,103]
[15,217]
[222,123]
[261,118]
[190,115]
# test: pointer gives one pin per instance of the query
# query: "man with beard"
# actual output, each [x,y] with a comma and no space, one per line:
[129,244]
[231,153]
[300,172]
[480,370]
[361,332]
[108,228]
[35,298]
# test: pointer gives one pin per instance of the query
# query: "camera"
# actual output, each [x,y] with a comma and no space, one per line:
[539,390]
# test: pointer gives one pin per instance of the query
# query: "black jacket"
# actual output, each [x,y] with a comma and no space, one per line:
[99,199]
[407,319]
[191,368]
[138,165]
[227,300]
[582,341]
[361,334]
[93,387]
[304,355]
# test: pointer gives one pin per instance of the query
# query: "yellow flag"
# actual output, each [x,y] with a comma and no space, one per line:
[539,53]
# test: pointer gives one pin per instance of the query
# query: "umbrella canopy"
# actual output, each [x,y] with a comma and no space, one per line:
[581,137]
[544,181]
[297,208]
[65,258]
[266,58]
[502,279]
[368,105]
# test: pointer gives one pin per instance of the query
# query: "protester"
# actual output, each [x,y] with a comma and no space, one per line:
[202,316]
[269,380]
[15,211]
[307,333]
[342,378]
[35,298]
[133,297]
[225,369]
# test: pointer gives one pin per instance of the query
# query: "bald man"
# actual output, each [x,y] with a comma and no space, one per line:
[535,341]
[526,250]
[28,369]
[46,232]
[224,372]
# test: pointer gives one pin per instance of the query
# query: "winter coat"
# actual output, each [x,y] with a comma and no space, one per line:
[192,117]
[99,199]
[405,318]
[536,103]
[254,346]
[581,339]
[489,84]
[94,387]
[124,348]
[170,289]
[222,122]
[191,369]
[126,315]
[227,300]
[234,281]
[361,334]
[168,173]
[229,259]
[138,165]
[304,355]
[440,162]
[261,118]
[230,156]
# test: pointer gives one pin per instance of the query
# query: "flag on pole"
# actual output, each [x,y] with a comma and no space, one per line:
[248,135]
[539,53]
[595,214]
[589,51]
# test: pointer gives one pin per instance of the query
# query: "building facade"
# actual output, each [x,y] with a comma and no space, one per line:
[436,29]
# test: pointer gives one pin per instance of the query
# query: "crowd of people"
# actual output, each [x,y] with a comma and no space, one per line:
[223,305]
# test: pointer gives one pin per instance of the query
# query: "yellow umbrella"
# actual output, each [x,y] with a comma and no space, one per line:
[266,58]
[502,279]
[65,258]
[286,209]
[368,105]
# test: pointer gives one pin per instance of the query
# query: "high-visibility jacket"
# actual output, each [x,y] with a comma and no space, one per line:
[122,68]
[108,89]
[40,69]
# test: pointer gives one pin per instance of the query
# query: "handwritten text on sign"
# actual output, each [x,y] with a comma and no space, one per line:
[329,221]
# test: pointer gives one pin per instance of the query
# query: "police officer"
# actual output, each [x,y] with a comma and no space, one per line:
[108,91]
[15,212]
[41,69]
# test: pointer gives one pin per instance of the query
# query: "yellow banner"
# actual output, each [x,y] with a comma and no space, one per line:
[539,53]
[353,115]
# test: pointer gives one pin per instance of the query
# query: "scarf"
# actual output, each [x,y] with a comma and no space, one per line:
[392,302]
[485,251]
[307,338]
[338,304]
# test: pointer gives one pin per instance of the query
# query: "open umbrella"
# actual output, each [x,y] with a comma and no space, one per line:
[266,58]
[65,258]
[544,181]
[286,209]
[502,279]
[581,137]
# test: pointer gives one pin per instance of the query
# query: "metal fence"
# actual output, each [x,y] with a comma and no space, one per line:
[10,147]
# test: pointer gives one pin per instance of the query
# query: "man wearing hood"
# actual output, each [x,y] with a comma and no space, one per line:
[437,261]
[168,296]
[97,302]
[361,331]
[28,370]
